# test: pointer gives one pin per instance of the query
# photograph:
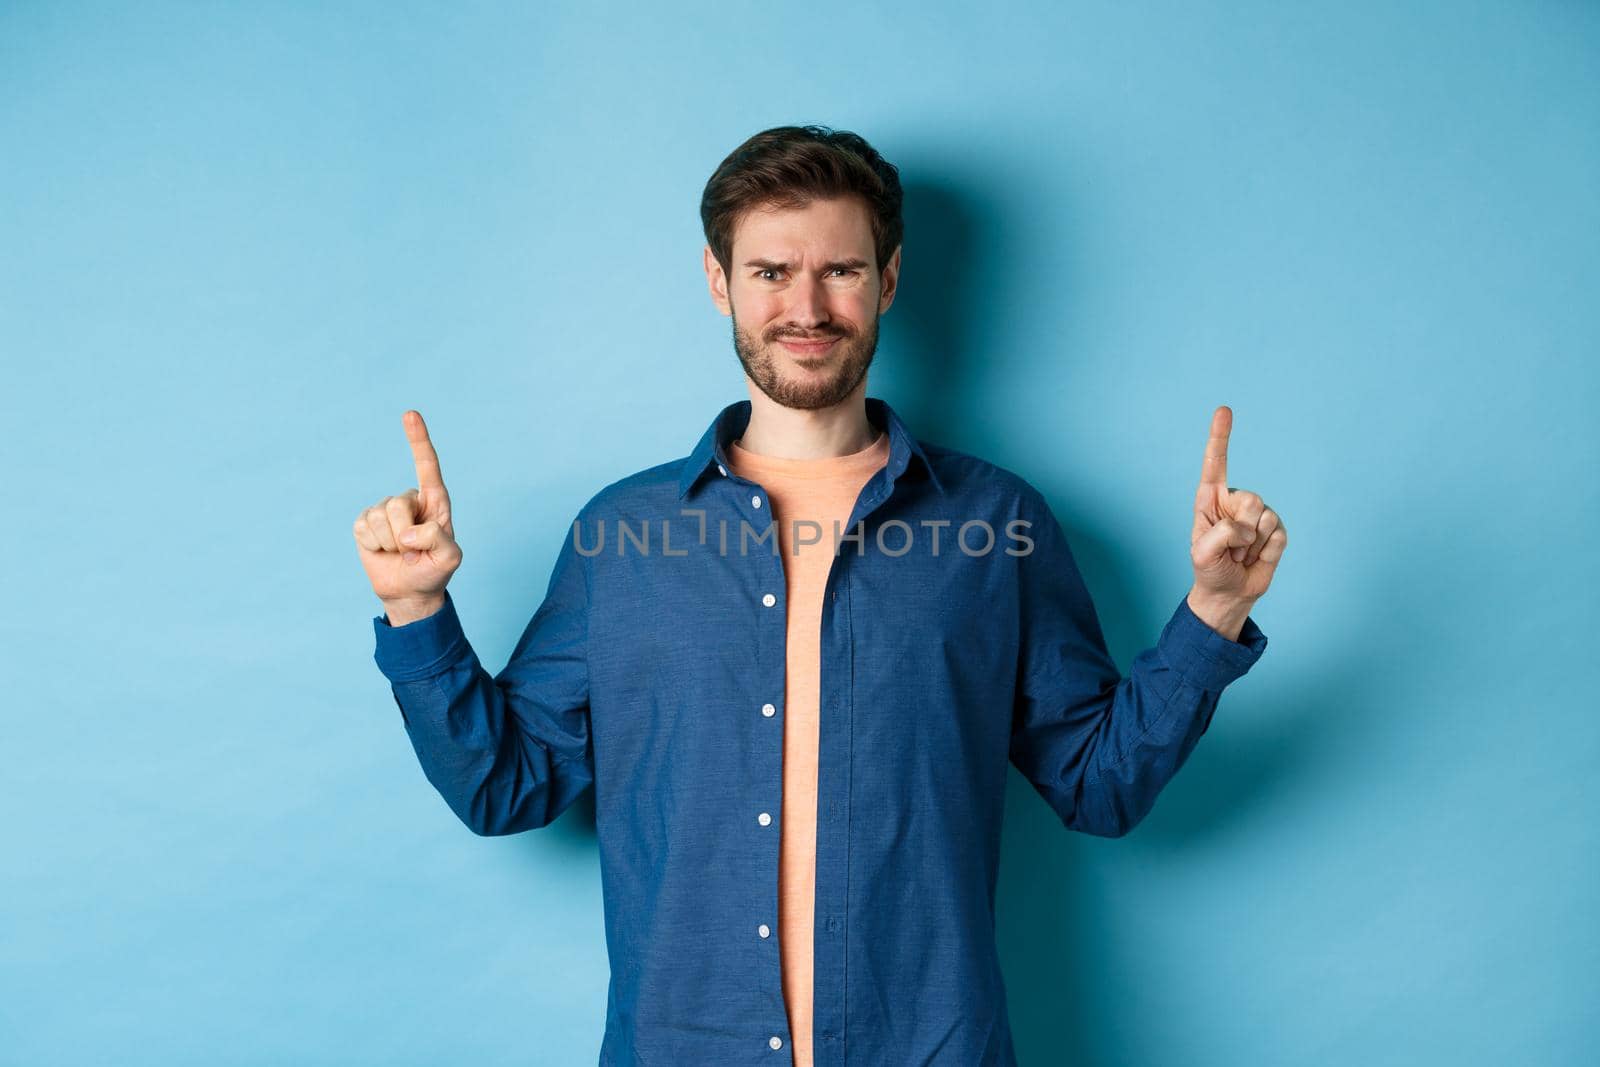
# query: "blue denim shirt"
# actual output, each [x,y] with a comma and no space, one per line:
[957,638]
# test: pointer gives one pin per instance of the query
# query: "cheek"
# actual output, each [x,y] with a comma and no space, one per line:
[858,300]
[856,307]
[757,310]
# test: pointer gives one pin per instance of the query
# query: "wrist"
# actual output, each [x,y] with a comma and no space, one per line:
[410,609]
[1225,615]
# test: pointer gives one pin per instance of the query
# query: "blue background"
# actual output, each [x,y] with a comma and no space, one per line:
[237,241]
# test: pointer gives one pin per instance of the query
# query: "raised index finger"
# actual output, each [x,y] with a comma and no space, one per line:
[422,452]
[1215,468]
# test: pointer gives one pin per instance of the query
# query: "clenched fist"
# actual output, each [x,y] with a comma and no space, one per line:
[406,542]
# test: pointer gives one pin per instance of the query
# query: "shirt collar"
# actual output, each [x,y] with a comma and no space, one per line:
[731,421]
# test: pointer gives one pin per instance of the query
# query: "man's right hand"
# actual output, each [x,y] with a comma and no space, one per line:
[407,543]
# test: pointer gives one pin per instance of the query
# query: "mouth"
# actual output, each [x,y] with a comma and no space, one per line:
[809,348]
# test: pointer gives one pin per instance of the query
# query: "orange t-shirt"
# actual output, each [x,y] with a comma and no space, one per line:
[823,491]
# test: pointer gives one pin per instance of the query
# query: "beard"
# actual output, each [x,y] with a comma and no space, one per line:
[839,370]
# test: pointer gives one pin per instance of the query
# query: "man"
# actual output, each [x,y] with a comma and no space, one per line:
[799,749]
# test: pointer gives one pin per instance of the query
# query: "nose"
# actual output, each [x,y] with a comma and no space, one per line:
[809,307]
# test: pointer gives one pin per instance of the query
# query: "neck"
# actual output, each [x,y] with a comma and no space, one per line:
[789,433]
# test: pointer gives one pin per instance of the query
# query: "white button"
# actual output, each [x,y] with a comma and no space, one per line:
[723,469]
[769,600]
[763,930]
[764,819]
[775,1041]
[768,710]
[755,502]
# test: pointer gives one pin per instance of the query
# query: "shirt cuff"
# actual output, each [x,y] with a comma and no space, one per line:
[1205,658]
[419,649]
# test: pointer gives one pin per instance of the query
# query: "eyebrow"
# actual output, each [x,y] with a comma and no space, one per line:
[767,264]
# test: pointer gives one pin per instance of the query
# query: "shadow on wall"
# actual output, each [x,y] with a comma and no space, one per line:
[1054,950]
[959,249]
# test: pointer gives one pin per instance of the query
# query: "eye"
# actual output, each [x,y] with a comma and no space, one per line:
[764,271]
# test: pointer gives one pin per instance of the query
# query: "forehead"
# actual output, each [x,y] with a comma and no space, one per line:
[833,227]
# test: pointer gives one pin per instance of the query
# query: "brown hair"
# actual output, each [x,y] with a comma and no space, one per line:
[788,167]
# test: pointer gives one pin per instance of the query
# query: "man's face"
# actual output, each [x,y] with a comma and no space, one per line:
[804,296]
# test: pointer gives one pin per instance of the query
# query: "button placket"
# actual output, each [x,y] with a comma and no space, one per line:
[770,710]
[832,843]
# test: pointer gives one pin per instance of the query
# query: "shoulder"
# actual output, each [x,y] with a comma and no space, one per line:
[968,476]
[644,492]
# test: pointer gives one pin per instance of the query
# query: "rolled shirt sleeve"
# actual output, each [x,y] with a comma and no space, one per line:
[1098,746]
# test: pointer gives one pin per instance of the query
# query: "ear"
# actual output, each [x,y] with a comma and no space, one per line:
[890,281]
[717,282]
